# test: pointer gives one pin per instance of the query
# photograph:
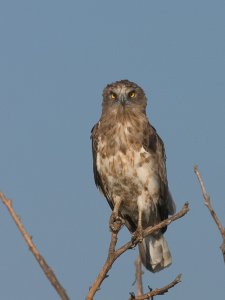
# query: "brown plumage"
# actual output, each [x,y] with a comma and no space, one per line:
[129,168]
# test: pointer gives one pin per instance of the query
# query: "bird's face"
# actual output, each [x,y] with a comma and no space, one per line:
[123,95]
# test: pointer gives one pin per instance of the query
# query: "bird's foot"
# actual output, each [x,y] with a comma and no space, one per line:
[115,222]
[137,236]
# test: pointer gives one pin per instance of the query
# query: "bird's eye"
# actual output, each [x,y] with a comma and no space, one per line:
[113,96]
[132,94]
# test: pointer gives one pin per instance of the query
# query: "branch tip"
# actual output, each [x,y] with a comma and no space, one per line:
[178,278]
[208,204]
[195,168]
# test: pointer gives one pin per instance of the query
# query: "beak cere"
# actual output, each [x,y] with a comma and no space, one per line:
[122,100]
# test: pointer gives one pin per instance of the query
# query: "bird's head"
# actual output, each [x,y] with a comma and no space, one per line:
[123,96]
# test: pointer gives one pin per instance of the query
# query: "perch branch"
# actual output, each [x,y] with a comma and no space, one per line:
[40,259]
[114,254]
[212,212]
[107,266]
[138,276]
[159,291]
[150,230]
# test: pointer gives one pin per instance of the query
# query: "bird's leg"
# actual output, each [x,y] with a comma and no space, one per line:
[138,234]
[115,220]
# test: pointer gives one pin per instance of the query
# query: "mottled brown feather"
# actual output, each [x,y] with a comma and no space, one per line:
[141,133]
[156,145]
[129,165]
[97,177]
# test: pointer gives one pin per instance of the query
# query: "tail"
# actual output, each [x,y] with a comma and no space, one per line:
[154,252]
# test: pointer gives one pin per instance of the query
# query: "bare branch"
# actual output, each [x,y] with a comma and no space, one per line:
[139,276]
[107,266]
[209,205]
[159,291]
[40,259]
[114,254]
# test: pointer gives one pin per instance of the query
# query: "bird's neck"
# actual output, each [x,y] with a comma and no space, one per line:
[120,132]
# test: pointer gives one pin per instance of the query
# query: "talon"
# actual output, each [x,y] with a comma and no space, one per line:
[115,222]
[137,236]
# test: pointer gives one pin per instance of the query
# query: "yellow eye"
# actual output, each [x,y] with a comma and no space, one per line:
[113,96]
[132,94]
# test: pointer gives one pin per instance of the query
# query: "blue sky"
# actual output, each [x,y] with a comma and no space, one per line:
[55,59]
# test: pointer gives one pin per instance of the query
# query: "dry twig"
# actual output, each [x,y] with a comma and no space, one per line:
[113,254]
[209,205]
[159,291]
[40,259]
[138,276]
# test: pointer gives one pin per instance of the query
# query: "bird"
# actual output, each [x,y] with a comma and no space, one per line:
[129,166]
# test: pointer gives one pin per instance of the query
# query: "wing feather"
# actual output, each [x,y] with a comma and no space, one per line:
[97,177]
[154,144]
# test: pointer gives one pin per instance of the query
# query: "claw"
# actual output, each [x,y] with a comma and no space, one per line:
[115,222]
[138,235]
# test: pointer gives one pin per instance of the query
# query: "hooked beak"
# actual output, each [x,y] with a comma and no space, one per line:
[122,100]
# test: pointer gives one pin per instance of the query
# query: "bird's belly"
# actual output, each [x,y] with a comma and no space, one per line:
[130,176]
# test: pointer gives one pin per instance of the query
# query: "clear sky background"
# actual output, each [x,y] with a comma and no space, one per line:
[55,59]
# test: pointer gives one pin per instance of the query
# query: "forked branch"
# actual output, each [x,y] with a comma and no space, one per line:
[113,254]
[212,212]
[40,259]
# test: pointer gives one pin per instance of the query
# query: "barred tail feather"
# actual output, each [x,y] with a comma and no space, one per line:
[154,252]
